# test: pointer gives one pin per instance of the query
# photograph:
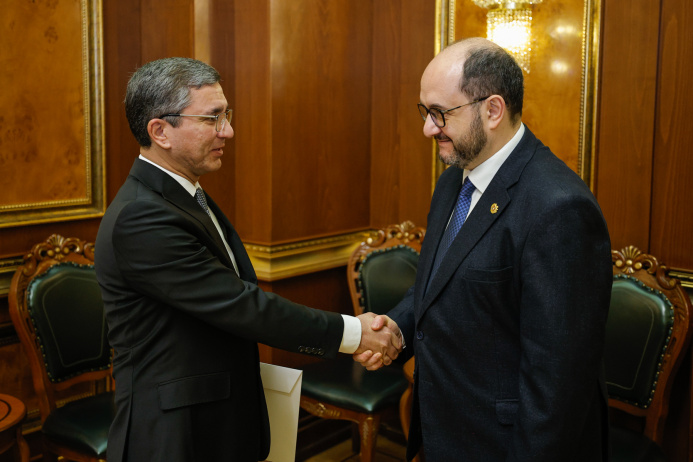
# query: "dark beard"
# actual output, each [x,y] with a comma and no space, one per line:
[468,148]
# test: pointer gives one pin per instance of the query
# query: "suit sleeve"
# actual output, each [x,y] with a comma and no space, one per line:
[160,255]
[403,315]
[565,290]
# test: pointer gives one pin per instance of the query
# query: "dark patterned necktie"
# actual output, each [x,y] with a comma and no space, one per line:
[200,196]
[459,215]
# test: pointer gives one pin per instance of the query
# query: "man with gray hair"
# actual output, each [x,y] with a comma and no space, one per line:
[183,307]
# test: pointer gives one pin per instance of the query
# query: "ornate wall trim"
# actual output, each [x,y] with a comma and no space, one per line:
[282,261]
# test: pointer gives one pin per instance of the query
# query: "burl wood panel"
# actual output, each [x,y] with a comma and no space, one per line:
[554,83]
[42,105]
[671,235]
[626,119]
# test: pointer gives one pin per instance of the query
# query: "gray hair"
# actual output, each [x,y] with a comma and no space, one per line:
[163,87]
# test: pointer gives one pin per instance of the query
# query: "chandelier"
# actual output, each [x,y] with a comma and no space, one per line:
[509,24]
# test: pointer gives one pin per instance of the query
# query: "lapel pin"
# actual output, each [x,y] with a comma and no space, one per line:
[494,208]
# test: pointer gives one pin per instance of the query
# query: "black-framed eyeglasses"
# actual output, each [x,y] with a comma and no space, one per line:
[219,119]
[438,115]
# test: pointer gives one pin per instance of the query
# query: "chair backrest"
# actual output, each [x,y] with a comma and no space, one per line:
[383,267]
[648,331]
[56,308]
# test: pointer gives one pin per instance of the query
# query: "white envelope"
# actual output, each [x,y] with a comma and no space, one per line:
[283,395]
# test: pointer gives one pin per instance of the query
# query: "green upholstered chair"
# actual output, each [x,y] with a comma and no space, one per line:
[379,271]
[56,308]
[647,334]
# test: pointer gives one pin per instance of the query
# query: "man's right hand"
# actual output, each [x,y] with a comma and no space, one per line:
[381,341]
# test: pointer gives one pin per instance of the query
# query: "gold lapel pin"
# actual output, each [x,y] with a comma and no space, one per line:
[494,208]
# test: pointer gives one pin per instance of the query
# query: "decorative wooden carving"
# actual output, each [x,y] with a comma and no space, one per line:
[632,263]
[55,249]
[406,234]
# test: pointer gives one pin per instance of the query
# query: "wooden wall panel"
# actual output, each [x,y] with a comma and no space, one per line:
[401,166]
[671,237]
[626,119]
[214,43]
[169,31]
[252,121]
[122,56]
[321,83]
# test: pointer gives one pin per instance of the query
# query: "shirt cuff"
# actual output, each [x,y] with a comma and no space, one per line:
[351,338]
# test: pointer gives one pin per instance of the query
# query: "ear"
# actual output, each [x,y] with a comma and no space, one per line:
[158,132]
[495,110]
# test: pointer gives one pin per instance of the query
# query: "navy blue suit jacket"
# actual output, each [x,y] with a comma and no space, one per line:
[509,336]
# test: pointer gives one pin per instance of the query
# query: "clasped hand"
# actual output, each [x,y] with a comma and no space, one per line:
[381,341]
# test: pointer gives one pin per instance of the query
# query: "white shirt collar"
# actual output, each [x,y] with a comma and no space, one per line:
[184,182]
[482,175]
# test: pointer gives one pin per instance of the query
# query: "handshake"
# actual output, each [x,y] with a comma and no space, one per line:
[381,341]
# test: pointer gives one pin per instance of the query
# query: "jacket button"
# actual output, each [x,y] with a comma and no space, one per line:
[419,335]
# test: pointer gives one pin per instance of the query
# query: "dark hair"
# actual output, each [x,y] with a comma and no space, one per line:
[490,70]
[162,87]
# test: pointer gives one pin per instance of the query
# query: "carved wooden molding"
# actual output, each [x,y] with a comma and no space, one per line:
[631,259]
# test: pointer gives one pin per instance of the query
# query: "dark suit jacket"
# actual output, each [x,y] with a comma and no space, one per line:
[510,333]
[184,328]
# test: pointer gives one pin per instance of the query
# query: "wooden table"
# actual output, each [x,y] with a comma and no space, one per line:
[12,412]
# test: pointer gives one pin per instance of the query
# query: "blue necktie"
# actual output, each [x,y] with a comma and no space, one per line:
[200,196]
[459,215]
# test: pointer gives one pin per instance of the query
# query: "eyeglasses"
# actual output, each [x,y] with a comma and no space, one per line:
[438,115]
[219,119]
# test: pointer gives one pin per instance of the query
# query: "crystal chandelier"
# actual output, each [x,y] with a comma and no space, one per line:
[509,24]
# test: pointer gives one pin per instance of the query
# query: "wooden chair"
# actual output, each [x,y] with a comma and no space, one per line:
[379,273]
[56,308]
[648,332]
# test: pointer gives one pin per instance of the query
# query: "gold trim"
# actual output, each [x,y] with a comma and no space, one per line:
[685,276]
[445,29]
[589,96]
[7,269]
[444,36]
[283,261]
[94,204]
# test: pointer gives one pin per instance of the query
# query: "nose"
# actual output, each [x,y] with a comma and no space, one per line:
[430,129]
[227,131]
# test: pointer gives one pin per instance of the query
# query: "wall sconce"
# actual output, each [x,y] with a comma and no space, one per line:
[509,24]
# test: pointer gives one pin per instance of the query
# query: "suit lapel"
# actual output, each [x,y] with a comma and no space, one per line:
[444,201]
[245,267]
[490,208]
[174,193]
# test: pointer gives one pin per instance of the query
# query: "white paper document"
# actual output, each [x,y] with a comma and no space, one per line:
[283,395]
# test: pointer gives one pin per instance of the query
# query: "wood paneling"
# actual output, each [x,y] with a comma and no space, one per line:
[43,121]
[168,31]
[626,119]
[253,121]
[400,168]
[122,56]
[671,234]
[320,84]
